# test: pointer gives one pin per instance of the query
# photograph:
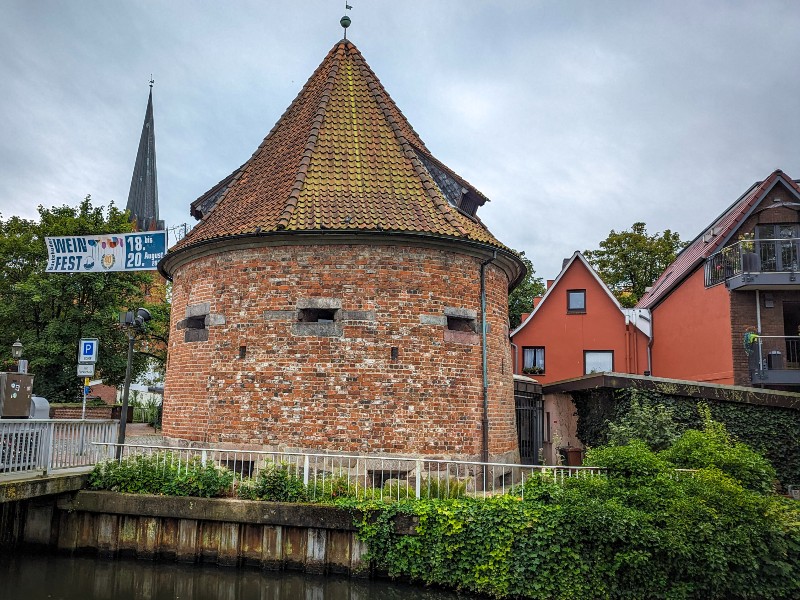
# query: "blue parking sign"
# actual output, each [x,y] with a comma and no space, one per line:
[87,350]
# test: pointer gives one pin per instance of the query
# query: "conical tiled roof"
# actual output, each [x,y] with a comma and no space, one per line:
[341,158]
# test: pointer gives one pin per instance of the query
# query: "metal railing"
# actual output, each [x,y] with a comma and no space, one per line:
[753,256]
[32,445]
[378,477]
[779,352]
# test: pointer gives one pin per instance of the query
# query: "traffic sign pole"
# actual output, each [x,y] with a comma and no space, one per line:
[85,388]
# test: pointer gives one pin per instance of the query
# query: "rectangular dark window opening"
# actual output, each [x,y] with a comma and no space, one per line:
[196,322]
[533,360]
[576,301]
[461,324]
[242,351]
[317,315]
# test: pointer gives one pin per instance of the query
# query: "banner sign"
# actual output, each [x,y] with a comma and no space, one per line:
[139,251]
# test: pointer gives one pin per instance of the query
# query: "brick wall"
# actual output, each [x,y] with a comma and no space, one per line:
[92,412]
[385,376]
[743,304]
[743,315]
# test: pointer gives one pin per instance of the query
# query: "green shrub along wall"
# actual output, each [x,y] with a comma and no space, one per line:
[640,530]
[773,431]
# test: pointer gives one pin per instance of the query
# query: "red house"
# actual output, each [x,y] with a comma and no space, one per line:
[737,278]
[579,327]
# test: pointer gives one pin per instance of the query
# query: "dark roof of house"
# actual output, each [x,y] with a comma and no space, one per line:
[675,387]
[143,195]
[341,158]
[712,238]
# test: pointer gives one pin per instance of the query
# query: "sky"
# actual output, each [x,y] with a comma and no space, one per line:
[573,117]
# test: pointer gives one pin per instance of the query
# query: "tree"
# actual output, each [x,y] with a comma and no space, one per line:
[630,261]
[521,299]
[50,312]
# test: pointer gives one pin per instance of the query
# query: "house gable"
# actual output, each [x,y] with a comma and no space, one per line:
[560,337]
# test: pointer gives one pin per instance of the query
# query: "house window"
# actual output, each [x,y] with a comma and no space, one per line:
[598,361]
[533,360]
[576,301]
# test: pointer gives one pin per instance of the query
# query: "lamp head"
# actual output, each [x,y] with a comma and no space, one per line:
[16,349]
[142,316]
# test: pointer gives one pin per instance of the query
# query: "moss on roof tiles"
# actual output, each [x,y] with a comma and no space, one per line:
[341,157]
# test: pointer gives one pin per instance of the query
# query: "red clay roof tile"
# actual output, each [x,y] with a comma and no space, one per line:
[341,157]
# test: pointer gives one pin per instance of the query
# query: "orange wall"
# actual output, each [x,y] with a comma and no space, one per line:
[565,336]
[692,333]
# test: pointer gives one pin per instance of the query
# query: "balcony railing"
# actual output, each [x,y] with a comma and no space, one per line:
[775,360]
[753,256]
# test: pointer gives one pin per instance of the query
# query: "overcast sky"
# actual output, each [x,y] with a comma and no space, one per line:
[574,118]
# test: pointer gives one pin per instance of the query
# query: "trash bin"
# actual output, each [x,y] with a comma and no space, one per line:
[775,360]
[574,457]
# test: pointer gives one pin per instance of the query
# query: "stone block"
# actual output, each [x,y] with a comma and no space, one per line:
[195,335]
[462,313]
[432,320]
[358,315]
[212,320]
[326,303]
[198,310]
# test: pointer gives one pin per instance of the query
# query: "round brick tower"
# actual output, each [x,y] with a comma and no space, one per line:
[331,297]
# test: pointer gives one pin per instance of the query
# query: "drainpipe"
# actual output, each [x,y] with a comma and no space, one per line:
[758,331]
[514,357]
[650,346]
[484,359]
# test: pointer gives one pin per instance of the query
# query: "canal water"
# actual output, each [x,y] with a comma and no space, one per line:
[45,576]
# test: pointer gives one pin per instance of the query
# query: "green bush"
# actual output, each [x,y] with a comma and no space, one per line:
[332,488]
[163,474]
[714,447]
[275,483]
[642,531]
[650,422]
[771,430]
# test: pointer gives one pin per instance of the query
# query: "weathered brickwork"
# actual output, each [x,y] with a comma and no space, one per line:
[382,377]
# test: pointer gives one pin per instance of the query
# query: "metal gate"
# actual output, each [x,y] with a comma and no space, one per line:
[530,421]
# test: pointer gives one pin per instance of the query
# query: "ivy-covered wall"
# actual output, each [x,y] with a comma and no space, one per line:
[772,430]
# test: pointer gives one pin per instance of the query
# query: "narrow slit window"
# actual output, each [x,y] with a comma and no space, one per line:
[461,324]
[317,315]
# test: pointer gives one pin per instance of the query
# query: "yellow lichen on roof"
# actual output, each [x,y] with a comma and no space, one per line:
[342,157]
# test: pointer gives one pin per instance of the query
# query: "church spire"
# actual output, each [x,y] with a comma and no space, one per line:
[143,195]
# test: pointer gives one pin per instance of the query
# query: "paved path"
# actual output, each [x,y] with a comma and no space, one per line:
[143,434]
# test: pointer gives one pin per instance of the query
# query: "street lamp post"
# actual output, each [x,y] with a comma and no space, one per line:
[132,324]
[16,352]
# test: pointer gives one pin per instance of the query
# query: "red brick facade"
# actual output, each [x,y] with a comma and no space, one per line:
[387,375]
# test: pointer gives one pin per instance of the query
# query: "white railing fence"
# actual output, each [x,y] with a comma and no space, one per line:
[32,445]
[378,477]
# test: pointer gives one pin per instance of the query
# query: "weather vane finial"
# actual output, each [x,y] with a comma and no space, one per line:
[152,81]
[345,20]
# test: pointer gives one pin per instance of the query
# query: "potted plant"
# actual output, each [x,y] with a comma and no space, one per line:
[533,370]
